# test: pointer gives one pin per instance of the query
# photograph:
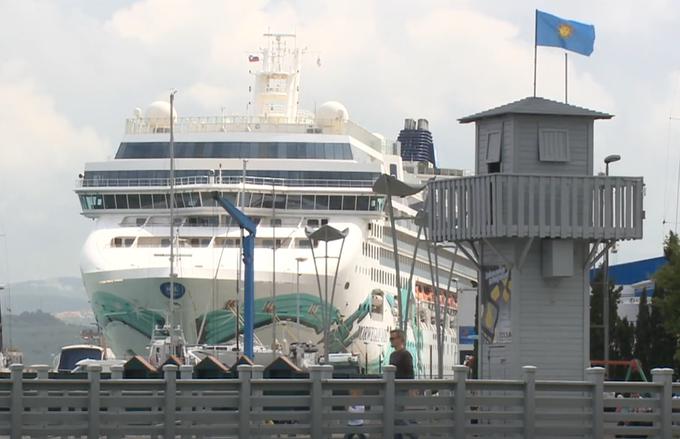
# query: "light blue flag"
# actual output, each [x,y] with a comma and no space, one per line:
[570,35]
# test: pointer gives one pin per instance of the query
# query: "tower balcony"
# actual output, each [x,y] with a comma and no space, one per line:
[539,206]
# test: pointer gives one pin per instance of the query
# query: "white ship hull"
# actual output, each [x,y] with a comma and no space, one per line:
[128,299]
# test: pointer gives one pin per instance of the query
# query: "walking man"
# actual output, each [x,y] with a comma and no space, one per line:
[403,361]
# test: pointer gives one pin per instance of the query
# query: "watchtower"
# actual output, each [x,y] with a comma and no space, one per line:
[534,219]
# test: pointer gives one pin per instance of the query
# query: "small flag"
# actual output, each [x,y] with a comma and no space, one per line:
[253,58]
[570,35]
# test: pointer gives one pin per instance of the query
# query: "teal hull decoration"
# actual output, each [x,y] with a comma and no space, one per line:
[111,308]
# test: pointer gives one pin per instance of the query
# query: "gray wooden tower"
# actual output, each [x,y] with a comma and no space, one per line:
[534,219]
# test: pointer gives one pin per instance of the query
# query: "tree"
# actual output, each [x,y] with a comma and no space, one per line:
[662,345]
[668,280]
[623,340]
[596,317]
[643,334]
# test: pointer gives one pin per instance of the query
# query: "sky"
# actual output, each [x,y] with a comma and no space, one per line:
[71,71]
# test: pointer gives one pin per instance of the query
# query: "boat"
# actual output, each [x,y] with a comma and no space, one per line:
[291,171]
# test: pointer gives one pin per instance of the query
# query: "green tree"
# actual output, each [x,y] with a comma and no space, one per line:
[643,333]
[624,339]
[662,345]
[596,317]
[668,280]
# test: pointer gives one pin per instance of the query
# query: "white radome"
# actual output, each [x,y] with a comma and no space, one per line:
[332,111]
[160,110]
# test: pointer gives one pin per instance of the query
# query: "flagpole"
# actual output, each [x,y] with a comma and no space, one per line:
[535,47]
[566,79]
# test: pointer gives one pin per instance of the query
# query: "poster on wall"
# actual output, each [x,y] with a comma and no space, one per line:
[496,321]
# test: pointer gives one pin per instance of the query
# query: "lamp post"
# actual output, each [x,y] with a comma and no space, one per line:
[390,186]
[297,294]
[605,278]
[326,234]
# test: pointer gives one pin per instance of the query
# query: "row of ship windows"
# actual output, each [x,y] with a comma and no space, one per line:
[215,221]
[206,241]
[236,150]
[252,200]
[375,252]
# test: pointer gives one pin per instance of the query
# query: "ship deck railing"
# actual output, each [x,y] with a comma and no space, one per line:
[321,406]
[203,180]
[303,124]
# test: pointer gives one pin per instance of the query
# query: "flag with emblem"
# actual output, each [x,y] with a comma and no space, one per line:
[570,35]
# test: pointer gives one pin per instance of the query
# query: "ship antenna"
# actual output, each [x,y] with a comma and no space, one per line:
[172,222]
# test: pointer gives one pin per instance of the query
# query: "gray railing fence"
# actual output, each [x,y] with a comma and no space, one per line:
[324,407]
[513,205]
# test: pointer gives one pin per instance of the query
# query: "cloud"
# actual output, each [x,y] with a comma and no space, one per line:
[41,153]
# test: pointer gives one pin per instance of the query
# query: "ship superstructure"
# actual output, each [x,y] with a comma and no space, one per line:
[290,171]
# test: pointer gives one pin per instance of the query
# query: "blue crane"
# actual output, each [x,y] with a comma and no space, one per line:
[249,226]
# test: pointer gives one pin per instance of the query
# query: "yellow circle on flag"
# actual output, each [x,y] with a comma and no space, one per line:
[565,30]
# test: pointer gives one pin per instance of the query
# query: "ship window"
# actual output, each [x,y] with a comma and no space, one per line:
[275,222]
[256,200]
[146,201]
[324,221]
[294,202]
[304,243]
[280,201]
[165,242]
[121,201]
[109,202]
[191,199]
[159,201]
[179,201]
[335,203]
[227,242]
[133,201]
[308,202]
[362,203]
[267,201]
[349,202]
[321,202]
[313,222]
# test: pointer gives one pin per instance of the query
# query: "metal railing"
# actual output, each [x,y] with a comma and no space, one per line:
[500,205]
[304,124]
[322,407]
[215,180]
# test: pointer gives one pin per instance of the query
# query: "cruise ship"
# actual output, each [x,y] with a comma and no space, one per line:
[291,171]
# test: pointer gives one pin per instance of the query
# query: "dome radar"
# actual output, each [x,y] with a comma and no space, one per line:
[158,115]
[332,111]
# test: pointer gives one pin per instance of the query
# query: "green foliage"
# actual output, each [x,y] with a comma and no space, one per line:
[643,334]
[668,282]
[596,319]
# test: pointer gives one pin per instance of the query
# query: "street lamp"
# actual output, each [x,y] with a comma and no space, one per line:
[390,186]
[605,278]
[297,294]
[326,234]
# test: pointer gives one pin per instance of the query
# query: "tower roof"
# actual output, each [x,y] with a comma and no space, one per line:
[534,105]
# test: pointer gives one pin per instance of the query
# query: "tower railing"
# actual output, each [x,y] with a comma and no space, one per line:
[542,206]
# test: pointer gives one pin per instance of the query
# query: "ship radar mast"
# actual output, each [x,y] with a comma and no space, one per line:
[276,93]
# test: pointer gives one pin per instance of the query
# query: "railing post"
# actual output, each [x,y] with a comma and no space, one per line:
[186,372]
[665,378]
[116,374]
[93,375]
[459,420]
[17,405]
[244,374]
[42,373]
[529,401]
[389,405]
[257,374]
[596,376]
[170,375]
[317,374]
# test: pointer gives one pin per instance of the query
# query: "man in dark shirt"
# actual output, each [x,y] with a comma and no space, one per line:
[403,361]
[401,358]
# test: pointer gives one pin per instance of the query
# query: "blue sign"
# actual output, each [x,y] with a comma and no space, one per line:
[178,287]
[467,335]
